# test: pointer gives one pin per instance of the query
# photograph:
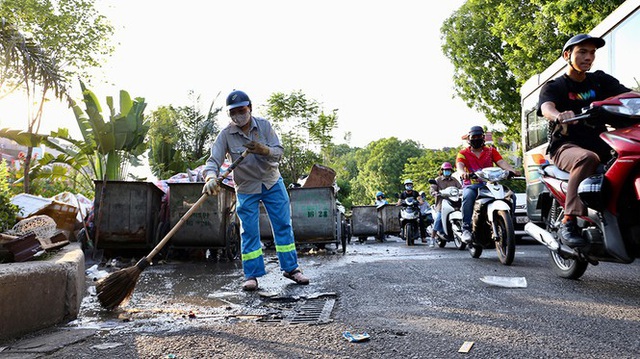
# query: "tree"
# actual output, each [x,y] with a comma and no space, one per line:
[294,115]
[180,137]
[494,55]
[67,37]
[381,165]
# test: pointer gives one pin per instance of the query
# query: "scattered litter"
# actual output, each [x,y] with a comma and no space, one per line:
[507,282]
[267,294]
[466,347]
[321,295]
[106,346]
[170,356]
[95,274]
[356,337]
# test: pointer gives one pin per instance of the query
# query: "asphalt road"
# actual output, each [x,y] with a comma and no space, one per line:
[413,302]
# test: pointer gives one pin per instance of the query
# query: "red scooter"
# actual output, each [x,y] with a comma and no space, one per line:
[612,226]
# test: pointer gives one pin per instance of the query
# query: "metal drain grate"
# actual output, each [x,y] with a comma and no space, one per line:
[315,311]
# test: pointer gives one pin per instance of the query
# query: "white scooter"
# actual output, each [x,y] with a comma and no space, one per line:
[451,217]
[492,219]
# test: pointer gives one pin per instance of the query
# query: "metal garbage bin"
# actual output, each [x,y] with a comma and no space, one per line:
[213,226]
[364,222]
[126,214]
[389,219]
[315,216]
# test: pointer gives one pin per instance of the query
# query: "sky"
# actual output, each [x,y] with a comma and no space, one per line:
[379,63]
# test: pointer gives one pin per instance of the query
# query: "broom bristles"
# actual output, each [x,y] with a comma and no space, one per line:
[117,287]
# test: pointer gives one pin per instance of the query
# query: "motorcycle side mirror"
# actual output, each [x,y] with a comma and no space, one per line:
[432,181]
[396,195]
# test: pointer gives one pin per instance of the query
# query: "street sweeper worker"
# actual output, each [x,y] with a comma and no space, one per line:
[256,179]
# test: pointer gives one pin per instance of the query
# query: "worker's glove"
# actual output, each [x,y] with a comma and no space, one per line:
[257,148]
[211,186]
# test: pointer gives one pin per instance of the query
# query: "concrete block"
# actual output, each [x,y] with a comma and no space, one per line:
[38,294]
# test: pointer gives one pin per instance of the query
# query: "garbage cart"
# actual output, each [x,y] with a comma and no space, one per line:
[316,218]
[126,214]
[389,219]
[213,226]
[364,222]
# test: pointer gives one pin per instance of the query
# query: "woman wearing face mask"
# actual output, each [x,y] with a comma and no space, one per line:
[256,179]
[471,159]
[443,181]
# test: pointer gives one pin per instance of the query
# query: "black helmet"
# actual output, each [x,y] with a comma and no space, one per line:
[476,130]
[237,98]
[580,38]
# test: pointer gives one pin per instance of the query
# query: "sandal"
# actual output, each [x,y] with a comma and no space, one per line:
[250,284]
[297,276]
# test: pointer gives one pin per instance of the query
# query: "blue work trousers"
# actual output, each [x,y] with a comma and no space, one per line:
[276,202]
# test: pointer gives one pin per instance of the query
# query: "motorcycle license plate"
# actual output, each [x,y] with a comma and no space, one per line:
[522,219]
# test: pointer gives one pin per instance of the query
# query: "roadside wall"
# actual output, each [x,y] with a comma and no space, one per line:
[38,294]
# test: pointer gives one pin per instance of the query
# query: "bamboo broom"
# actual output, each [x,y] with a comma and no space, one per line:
[118,287]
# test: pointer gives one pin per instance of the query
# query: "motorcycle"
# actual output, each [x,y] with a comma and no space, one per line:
[409,220]
[492,219]
[612,195]
[451,217]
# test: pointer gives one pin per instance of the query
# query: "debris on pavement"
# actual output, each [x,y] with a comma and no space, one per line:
[506,282]
[356,337]
[466,347]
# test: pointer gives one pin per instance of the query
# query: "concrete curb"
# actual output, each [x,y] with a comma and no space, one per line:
[38,294]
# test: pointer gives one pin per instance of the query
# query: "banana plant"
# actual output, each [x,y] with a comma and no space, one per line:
[118,142]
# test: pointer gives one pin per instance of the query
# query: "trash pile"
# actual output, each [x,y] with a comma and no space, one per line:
[44,225]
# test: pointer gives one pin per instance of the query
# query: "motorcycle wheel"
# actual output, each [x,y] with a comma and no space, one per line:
[441,243]
[506,244]
[565,268]
[475,250]
[408,234]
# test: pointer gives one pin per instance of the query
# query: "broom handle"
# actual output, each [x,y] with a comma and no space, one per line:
[193,208]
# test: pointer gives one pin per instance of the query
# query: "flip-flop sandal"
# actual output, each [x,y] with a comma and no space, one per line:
[298,279]
[250,284]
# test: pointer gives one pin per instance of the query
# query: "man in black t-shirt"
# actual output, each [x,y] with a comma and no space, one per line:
[576,147]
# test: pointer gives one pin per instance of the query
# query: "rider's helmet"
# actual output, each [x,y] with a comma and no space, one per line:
[237,98]
[580,38]
[476,137]
[408,184]
[423,195]
[380,194]
[447,169]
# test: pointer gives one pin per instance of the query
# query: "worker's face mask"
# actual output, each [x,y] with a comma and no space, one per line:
[408,187]
[446,173]
[241,119]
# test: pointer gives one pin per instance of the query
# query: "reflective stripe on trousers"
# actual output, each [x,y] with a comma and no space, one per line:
[276,202]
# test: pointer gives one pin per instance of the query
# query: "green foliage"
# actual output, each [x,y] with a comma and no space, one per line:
[180,136]
[8,211]
[381,166]
[494,55]
[71,32]
[299,121]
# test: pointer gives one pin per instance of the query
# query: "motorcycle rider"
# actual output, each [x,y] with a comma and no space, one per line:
[469,160]
[576,147]
[410,192]
[444,180]
[427,217]
[380,199]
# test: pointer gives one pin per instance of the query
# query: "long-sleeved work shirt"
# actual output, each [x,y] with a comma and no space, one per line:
[255,170]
